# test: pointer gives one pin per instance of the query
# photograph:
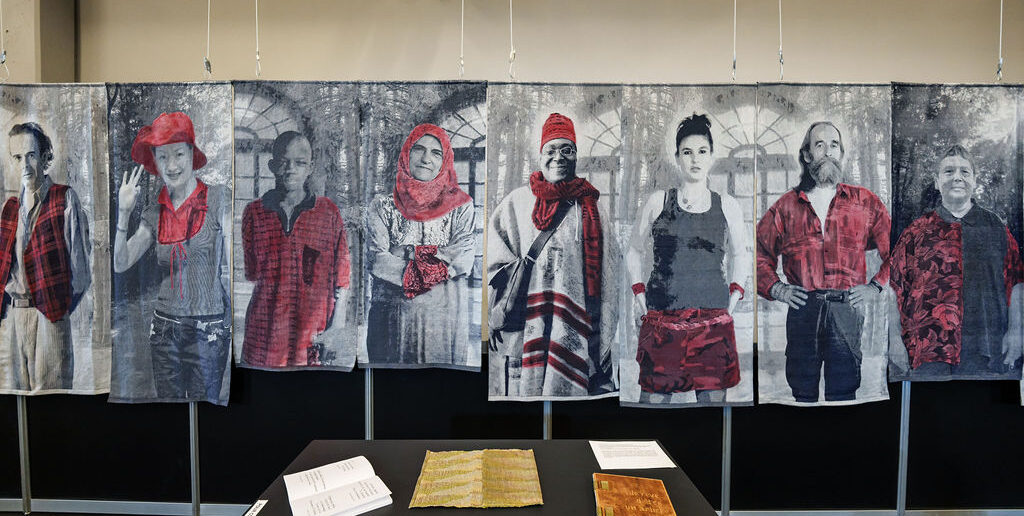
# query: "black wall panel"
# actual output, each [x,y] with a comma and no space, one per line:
[10,479]
[966,440]
[84,447]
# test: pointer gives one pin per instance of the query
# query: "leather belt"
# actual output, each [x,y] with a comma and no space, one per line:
[21,302]
[835,296]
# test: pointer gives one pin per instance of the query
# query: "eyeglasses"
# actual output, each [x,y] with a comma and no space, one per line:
[567,152]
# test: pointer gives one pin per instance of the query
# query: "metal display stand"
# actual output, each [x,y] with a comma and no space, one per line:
[726,458]
[901,486]
[26,482]
[193,445]
[368,406]
[196,508]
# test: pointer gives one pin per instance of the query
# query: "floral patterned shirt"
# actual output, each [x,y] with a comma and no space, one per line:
[932,263]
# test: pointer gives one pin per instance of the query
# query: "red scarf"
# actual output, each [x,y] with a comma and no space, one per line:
[426,200]
[179,225]
[581,191]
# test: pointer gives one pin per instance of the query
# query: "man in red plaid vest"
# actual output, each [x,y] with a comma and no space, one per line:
[44,270]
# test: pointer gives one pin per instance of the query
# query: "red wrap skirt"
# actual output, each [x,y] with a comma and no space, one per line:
[690,349]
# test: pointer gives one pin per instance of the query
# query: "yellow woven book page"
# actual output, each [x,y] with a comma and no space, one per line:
[478,478]
[510,479]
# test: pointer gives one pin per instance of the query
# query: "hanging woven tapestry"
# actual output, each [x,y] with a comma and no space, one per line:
[685,201]
[956,263]
[171,220]
[55,278]
[422,153]
[821,240]
[553,257]
[298,197]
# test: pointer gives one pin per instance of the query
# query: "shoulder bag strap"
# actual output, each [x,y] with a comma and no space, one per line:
[544,236]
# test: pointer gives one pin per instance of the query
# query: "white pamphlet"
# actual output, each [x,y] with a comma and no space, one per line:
[342,488]
[630,455]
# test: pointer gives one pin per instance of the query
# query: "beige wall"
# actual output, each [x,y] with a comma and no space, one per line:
[57,40]
[21,39]
[556,40]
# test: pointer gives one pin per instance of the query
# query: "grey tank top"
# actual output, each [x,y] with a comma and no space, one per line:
[689,249]
[194,288]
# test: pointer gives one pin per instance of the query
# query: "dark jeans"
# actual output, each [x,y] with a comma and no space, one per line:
[190,355]
[825,330]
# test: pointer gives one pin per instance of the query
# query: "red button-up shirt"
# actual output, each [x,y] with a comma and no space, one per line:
[856,222]
[296,274]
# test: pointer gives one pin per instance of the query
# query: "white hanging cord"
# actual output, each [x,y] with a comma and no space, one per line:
[462,41]
[512,45]
[782,62]
[259,69]
[999,64]
[207,68]
[734,40]
[3,47]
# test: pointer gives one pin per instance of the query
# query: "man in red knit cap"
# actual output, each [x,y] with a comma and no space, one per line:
[565,348]
[44,269]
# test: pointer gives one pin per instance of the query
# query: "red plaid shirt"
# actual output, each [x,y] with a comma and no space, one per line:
[856,222]
[47,261]
[296,275]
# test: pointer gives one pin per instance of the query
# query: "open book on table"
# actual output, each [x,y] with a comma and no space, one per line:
[344,488]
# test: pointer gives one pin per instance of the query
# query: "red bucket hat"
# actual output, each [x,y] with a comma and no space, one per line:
[557,126]
[167,128]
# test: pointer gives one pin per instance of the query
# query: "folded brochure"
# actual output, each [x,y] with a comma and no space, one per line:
[343,488]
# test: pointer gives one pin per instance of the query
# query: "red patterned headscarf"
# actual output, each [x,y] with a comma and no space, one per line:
[425,200]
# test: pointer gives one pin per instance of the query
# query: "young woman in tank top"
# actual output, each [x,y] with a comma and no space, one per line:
[694,245]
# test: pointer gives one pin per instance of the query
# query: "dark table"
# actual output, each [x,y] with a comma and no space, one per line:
[565,468]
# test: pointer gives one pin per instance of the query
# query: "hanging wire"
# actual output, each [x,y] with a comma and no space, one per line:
[462,42]
[782,62]
[734,40]
[999,64]
[259,69]
[512,45]
[3,47]
[207,68]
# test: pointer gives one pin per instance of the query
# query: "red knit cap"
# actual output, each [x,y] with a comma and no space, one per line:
[557,126]
[167,128]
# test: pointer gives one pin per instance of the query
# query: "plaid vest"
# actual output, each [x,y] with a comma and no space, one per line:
[47,261]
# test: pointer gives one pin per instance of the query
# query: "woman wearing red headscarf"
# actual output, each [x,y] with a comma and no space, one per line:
[189,225]
[420,253]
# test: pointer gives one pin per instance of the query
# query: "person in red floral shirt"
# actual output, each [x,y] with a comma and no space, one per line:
[959,282]
[296,251]
[822,230]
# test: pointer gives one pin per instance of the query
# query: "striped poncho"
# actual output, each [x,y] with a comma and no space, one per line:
[566,349]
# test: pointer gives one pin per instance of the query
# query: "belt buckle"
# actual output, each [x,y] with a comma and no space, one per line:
[837,297]
[18,302]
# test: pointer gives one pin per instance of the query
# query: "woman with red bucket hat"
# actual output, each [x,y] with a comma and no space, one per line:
[190,336]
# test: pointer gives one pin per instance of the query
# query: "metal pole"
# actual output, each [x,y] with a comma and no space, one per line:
[547,420]
[726,458]
[193,442]
[26,484]
[901,488]
[368,402]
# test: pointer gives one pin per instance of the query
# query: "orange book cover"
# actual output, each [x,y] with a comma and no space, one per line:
[619,495]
